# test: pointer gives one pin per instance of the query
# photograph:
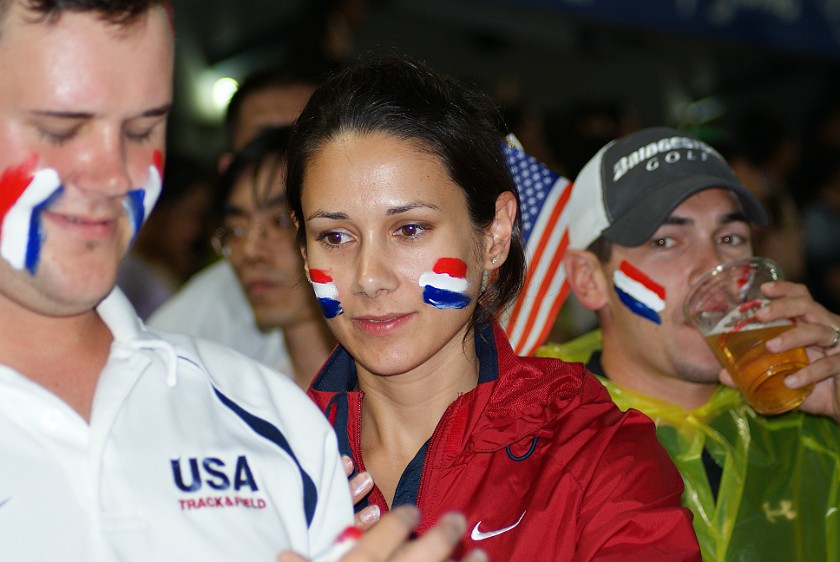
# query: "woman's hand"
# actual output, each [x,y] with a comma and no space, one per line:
[360,486]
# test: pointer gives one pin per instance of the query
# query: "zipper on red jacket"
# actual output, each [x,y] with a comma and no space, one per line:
[359,428]
[430,452]
[358,450]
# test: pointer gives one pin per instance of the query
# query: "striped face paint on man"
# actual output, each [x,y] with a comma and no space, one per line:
[638,292]
[446,285]
[140,202]
[326,292]
[26,192]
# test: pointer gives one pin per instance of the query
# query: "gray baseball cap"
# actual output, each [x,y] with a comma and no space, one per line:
[628,189]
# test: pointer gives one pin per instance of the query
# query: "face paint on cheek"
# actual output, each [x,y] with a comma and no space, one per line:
[24,195]
[140,202]
[641,294]
[326,292]
[444,287]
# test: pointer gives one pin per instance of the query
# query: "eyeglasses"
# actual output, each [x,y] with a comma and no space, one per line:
[272,225]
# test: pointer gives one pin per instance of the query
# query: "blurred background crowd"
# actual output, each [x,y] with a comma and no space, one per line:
[756,79]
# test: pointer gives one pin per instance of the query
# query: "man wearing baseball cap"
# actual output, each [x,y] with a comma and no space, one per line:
[655,210]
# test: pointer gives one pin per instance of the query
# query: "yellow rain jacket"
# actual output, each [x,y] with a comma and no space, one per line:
[779,495]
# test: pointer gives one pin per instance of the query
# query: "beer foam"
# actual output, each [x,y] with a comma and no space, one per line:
[741,319]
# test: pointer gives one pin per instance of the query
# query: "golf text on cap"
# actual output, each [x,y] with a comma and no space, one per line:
[669,147]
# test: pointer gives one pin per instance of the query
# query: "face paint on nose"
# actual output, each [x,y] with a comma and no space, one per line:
[638,292]
[140,202]
[444,287]
[326,292]
[24,195]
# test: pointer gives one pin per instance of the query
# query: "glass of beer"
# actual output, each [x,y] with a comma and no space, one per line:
[722,305]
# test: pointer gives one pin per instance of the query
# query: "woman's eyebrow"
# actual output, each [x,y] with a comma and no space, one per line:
[392,211]
[409,207]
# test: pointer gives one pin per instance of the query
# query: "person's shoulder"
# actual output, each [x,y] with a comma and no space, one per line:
[557,386]
[578,399]
[204,292]
[565,396]
[239,379]
[587,432]
[217,275]
[211,305]
[564,380]
[220,361]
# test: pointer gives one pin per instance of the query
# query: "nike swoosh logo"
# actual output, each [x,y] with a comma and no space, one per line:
[4,502]
[477,535]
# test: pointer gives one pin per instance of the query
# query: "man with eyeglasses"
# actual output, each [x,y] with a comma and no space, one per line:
[213,304]
[257,237]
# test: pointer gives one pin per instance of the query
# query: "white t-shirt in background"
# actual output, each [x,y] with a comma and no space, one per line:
[212,305]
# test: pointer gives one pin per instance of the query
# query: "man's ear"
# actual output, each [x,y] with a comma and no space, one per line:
[497,242]
[587,279]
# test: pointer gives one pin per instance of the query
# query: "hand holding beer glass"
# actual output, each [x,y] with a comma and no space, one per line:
[722,305]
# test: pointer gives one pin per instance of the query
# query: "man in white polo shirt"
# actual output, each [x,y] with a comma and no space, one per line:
[117,443]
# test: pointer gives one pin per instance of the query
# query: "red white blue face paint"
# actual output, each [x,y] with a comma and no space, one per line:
[140,202]
[638,292]
[24,195]
[326,292]
[445,286]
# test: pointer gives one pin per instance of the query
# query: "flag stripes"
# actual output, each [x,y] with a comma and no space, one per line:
[543,195]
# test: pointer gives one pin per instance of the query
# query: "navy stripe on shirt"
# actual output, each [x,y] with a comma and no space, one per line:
[273,434]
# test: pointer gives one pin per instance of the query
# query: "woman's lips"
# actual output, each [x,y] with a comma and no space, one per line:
[381,325]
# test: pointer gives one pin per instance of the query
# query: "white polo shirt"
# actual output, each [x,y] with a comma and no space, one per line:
[193,452]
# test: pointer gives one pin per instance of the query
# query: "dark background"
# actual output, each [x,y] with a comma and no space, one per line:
[690,63]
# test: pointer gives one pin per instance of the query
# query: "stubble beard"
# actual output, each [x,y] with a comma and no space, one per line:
[697,372]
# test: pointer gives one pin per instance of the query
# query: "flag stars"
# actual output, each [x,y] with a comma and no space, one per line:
[533,181]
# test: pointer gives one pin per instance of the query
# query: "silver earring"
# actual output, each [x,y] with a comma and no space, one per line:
[495,260]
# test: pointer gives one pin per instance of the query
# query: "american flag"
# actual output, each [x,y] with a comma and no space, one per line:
[543,196]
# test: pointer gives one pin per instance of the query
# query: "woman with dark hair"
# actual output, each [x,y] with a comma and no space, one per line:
[409,225]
